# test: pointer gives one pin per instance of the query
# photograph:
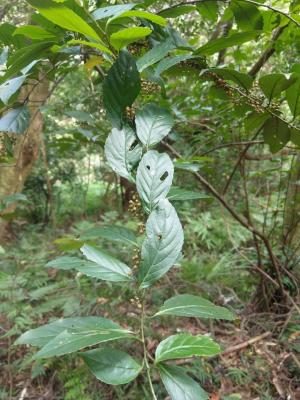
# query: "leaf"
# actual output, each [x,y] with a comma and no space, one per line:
[65,263]
[67,244]
[34,32]
[95,45]
[155,54]
[273,84]
[174,12]
[208,10]
[122,151]
[115,233]
[44,334]
[176,194]
[276,133]
[293,95]
[111,11]
[163,243]
[64,17]
[213,46]
[295,136]
[247,15]
[169,62]
[111,366]
[145,15]
[154,178]
[187,305]
[15,120]
[120,87]
[255,121]
[10,87]
[81,116]
[186,166]
[179,385]
[126,36]
[153,124]
[185,345]
[243,80]
[105,266]
[89,331]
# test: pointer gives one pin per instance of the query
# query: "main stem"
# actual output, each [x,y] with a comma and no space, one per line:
[145,349]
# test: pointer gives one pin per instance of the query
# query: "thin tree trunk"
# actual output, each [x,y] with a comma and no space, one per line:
[13,176]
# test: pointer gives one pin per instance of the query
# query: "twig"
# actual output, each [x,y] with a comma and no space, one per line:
[247,343]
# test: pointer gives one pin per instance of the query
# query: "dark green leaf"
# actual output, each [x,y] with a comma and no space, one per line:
[120,87]
[169,62]
[15,121]
[111,366]
[243,80]
[255,121]
[179,385]
[247,15]
[276,133]
[185,345]
[293,95]
[187,305]
[176,11]
[273,84]
[213,46]
[163,243]
[209,10]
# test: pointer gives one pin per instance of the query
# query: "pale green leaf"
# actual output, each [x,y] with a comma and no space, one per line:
[126,36]
[15,120]
[154,55]
[178,194]
[154,178]
[10,87]
[115,233]
[163,243]
[34,32]
[122,151]
[95,45]
[111,11]
[153,123]
[185,345]
[145,15]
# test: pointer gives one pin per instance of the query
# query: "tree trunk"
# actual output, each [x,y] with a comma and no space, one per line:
[13,176]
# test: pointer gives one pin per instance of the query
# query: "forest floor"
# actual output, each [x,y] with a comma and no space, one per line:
[259,361]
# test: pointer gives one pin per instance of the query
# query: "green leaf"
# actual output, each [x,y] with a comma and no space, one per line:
[66,263]
[81,116]
[122,151]
[153,124]
[276,133]
[67,243]
[111,232]
[174,12]
[10,87]
[169,62]
[187,305]
[104,266]
[145,15]
[111,11]
[154,178]
[15,120]
[155,54]
[243,80]
[208,10]
[176,194]
[163,243]
[88,333]
[185,345]
[295,136]
[255,121]
[24,57]
[247,15]
[121,87]
[34,32]
[64,17]
[293,95]
[179,385]
[95,45]
[126,36]
[41,336]
[273,84]
[111,366]
[214,46]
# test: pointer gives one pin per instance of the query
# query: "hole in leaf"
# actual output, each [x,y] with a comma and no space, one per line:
[164,176]
[159,236]
[148,167]
[134,144]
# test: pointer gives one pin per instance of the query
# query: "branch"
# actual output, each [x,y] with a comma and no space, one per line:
[247,343]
